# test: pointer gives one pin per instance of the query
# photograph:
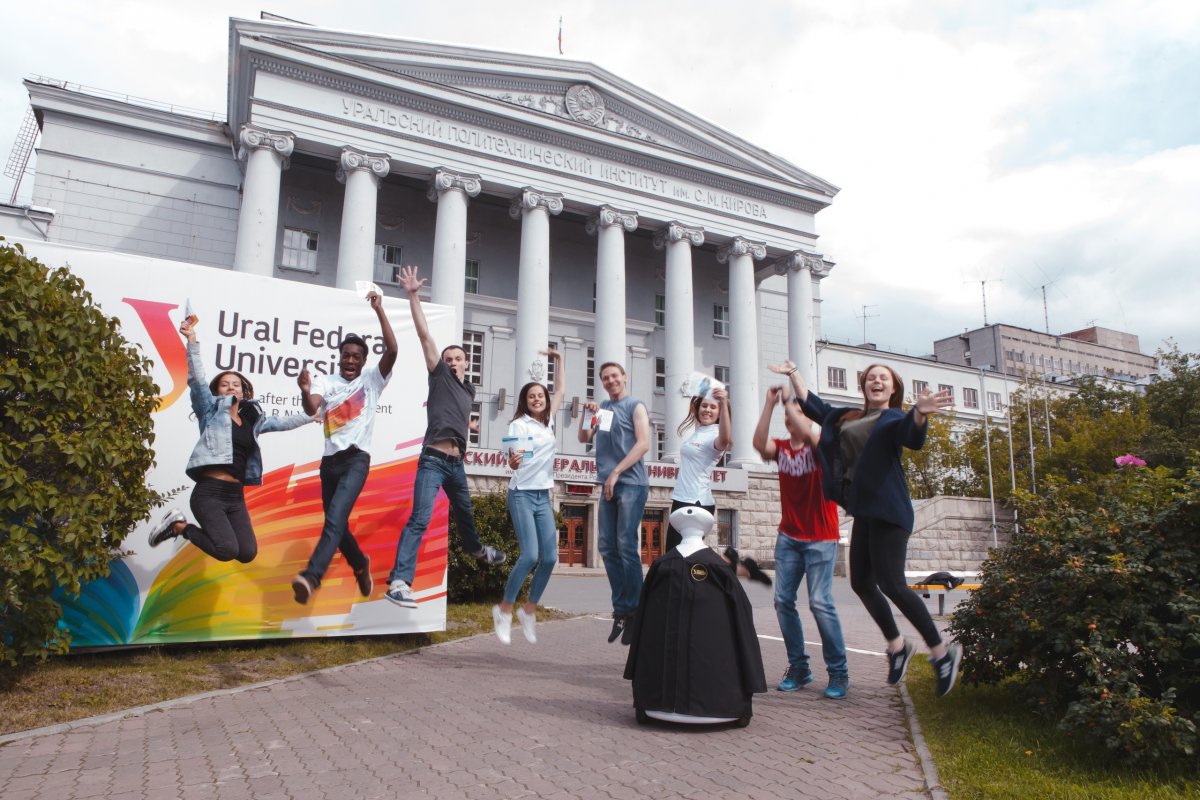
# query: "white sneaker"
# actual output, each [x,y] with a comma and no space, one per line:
[165,529]
[503,625]
[528,625]
[400,594]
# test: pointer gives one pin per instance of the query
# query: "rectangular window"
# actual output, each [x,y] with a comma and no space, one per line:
[551,369]
[970,397]
[476,419]
[299,249]
[721,321]
[660,439]
[660,374]
[945,387]
[388,260]
[591,371]
[473,344]
[726,527]
[471,282]
[993,399]
[721,374]
[836,377]
[858,379]
[920,388]
[660,310]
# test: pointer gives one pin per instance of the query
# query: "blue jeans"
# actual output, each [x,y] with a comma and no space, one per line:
[620,523]
[795,560]
[342,478]
[433,473]
[537,537]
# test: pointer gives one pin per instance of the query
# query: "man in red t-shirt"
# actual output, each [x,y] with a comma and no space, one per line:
[806,546]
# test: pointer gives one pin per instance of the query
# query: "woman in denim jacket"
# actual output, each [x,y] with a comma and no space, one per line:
[225,459]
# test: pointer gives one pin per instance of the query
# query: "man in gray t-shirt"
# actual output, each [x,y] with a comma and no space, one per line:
[447,410]
[619,465]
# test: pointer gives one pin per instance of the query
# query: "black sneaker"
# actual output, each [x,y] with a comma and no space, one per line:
[302,589]
[946,668]
[627,631]
[489,555]
[898,662]
[617,628]
[363,578]
[756,573]
[165,529]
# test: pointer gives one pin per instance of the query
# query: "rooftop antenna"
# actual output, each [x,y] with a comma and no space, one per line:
[864,317]
[18,159]
[983,290]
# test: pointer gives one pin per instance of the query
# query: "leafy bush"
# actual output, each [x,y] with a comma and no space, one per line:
[75,445]
[470,581]
[1094,609]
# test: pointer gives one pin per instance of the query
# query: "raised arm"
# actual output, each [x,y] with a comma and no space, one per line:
[311,403]
[560,382]
[724,424]
[412,284]
[790,370]
[198,390]
[586,431]
[388,359]
[913,430]
[762,441]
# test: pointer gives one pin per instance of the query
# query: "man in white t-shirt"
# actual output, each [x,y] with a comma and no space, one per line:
[346,404]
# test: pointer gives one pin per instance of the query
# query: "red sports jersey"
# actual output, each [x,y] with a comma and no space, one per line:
[807,515]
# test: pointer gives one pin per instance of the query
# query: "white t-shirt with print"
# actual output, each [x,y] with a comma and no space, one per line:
[537,470]
[697,457]
[347,410]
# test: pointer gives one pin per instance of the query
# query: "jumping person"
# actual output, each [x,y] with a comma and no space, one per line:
[860,461]
[346,403]
[440,466]
[226,459]
[621,470]
[708,419]
[531,457]
[805,548]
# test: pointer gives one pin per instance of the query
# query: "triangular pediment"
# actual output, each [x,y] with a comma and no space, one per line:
[547,91]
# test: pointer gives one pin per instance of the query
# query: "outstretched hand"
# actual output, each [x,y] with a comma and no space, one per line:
[935,403]
[783,368]
[375,300]
[409,279]
[188,332]
[304,380]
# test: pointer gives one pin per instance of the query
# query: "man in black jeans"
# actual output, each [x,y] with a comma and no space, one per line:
[346,402]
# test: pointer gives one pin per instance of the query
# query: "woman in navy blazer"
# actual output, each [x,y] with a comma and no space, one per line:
[860,450]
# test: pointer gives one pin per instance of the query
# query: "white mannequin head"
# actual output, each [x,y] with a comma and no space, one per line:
[692,522]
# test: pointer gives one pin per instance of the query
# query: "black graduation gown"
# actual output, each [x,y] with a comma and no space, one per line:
[694,649]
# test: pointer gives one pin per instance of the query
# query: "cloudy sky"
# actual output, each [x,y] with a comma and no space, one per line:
[1021,144]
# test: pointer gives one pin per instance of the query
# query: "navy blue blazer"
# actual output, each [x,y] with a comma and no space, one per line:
[879,490]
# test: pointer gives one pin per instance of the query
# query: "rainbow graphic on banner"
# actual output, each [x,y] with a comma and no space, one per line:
[194,598]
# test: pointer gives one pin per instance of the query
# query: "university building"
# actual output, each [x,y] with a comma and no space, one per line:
[551,203]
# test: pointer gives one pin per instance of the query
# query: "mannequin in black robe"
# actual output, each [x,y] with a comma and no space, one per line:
[694,650]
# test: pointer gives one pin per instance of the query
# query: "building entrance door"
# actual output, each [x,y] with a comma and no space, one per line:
[573,536]
[654,534]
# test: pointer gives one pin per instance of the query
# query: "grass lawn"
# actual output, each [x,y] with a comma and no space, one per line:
[987,745]
[83,685]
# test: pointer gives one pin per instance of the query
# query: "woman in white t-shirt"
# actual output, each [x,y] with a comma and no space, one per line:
[708,419]
[531,444]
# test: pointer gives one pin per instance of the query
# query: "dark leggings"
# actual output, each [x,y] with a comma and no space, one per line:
[674,537]
[224,532]
[878,550]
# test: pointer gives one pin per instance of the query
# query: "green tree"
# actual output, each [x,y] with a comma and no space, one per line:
[1172,405]
[75,443]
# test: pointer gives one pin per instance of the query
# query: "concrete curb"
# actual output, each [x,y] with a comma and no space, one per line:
[928,769]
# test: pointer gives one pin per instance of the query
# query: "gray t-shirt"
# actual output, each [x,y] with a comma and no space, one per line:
[614,444]
[448,408]
[852,438]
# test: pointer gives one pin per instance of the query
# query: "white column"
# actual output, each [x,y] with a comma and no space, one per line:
[361,172]
[534,208]
[610,225]
[451,191]
[741,253]
[266,153]
[802,341]
[678,239]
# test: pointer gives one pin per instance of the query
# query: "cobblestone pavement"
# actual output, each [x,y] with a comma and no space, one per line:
[475,719]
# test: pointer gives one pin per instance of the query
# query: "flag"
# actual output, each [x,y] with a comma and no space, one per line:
[560,52]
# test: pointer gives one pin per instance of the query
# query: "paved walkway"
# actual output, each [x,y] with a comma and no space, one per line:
[475,719]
